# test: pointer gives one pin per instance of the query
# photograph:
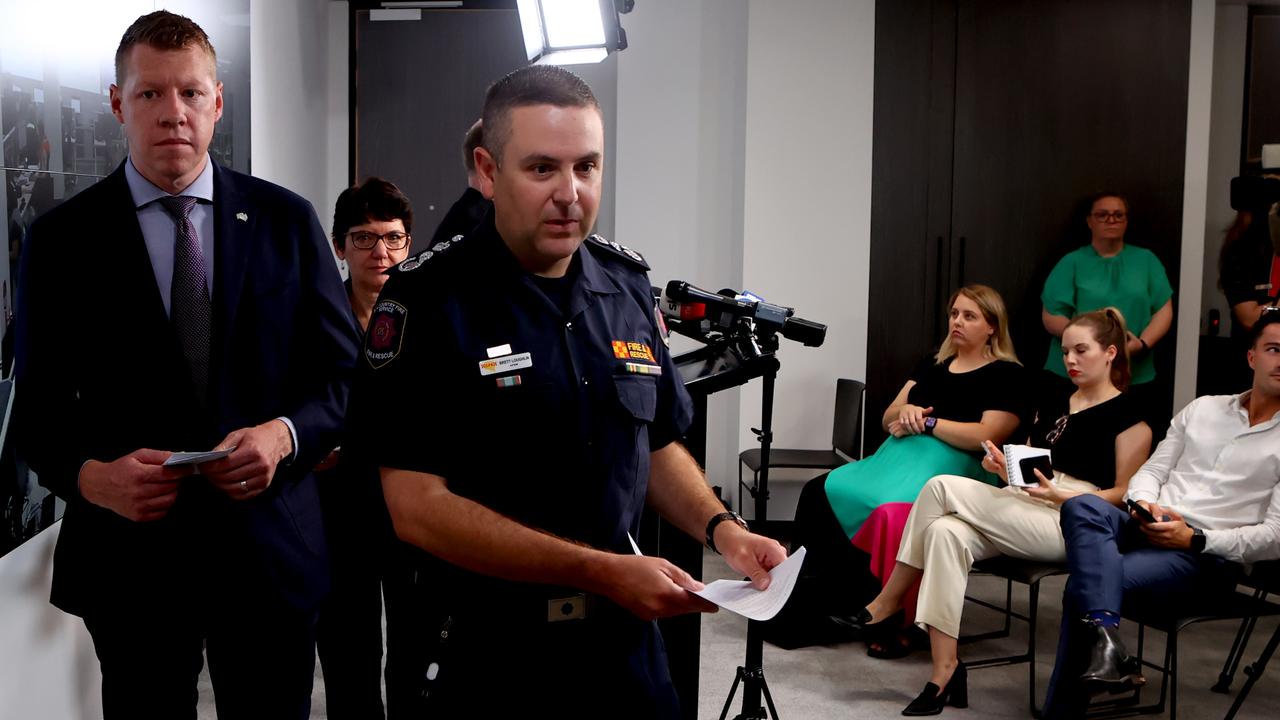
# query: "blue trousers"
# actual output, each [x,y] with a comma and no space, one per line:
[1112,566]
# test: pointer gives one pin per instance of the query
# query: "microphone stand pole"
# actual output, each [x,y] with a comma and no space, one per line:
[751,673]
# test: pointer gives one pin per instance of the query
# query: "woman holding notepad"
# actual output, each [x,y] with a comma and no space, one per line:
[1096,440]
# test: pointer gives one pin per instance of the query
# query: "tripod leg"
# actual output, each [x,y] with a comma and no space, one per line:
[733,690]
[768,697]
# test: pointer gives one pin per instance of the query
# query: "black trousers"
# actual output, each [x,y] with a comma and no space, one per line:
[261,658]
[612,667]
[349,629]
[415,617]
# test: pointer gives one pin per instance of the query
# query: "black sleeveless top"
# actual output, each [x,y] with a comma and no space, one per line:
[1085,447]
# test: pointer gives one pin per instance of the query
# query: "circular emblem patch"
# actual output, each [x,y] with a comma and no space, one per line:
[386,333]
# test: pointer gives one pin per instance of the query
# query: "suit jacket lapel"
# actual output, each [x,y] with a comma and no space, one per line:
[128,253]
[233,232]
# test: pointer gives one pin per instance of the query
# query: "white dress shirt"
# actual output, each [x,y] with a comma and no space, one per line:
[1222,475]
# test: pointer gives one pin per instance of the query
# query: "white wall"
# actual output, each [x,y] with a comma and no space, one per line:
[807,237]
[298,91]
[1199,102]
[47,668]
[1230,28]
[679,163]
[744,159]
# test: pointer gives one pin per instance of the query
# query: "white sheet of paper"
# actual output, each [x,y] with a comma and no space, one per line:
[191,458]
[738,595]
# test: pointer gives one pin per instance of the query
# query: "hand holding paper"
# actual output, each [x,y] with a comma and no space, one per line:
[195,458]
[739,597]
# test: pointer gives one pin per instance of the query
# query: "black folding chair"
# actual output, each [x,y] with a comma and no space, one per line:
[1026,572]
[846,442]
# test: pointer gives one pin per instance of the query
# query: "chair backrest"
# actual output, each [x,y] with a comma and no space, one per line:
[846,428]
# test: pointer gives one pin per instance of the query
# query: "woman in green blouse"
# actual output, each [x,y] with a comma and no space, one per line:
[1109,272]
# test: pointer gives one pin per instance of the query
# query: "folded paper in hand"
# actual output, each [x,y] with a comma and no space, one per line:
[192,458]
[740,597]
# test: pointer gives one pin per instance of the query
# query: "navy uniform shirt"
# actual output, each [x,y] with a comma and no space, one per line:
[1247,269]
[473,373]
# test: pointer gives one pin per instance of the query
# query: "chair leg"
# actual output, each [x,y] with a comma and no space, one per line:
[1232,663]
[741,487]
[1236,654]
[1253,672]
[1172,676]
[1008,606]
[1033,600]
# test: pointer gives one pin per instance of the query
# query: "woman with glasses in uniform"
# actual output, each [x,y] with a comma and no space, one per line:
[371,226]
[1097,441]
[1108,272]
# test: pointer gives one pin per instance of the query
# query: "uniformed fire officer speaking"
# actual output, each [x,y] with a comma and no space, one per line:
[520,401]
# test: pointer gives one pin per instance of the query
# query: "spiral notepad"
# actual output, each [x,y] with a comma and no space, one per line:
[1015,457]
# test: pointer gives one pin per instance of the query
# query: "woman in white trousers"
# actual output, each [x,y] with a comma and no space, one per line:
[1097,440]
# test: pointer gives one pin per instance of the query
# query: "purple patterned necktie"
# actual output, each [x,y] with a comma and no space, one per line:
[189,305]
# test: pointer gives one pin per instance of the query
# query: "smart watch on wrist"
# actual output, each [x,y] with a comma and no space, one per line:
[929,424]
[716,520]
[1197,539]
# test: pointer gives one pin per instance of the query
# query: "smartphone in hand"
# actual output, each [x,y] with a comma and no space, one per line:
[1028,466]
[1143,514]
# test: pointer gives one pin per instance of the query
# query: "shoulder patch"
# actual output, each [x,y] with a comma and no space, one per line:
[416,261]
[614,249]
[386,333]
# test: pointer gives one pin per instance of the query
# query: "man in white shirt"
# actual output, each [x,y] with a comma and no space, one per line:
[1213,488]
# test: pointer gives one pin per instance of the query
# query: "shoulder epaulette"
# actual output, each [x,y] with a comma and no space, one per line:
[416,261]
[622,252]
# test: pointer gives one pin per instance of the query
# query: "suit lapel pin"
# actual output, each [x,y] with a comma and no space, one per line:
[242,217]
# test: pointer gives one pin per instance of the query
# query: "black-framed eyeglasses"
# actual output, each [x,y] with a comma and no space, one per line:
[394,240]
[1118,216]
[1058,427]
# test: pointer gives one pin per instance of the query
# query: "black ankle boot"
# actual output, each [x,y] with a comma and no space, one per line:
[931,700]
[1110,667]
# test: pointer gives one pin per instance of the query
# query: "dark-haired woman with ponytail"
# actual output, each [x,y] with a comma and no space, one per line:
[1098,440]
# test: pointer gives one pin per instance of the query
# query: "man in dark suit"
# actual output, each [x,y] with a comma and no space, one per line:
[177,305]
[469,209]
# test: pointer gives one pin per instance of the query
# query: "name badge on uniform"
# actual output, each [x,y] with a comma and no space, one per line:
[1263,286]
[506,363]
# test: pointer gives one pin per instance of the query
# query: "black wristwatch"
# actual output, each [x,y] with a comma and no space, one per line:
[1197,539]
[713,522]
[929,424]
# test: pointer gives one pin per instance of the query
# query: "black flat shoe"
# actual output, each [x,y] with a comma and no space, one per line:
[1111,669]
[931,700]
[860,622]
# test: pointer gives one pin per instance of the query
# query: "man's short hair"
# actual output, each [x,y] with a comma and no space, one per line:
[373,199]
[1270,316]
[472,140]
[162,30]
[531,85]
